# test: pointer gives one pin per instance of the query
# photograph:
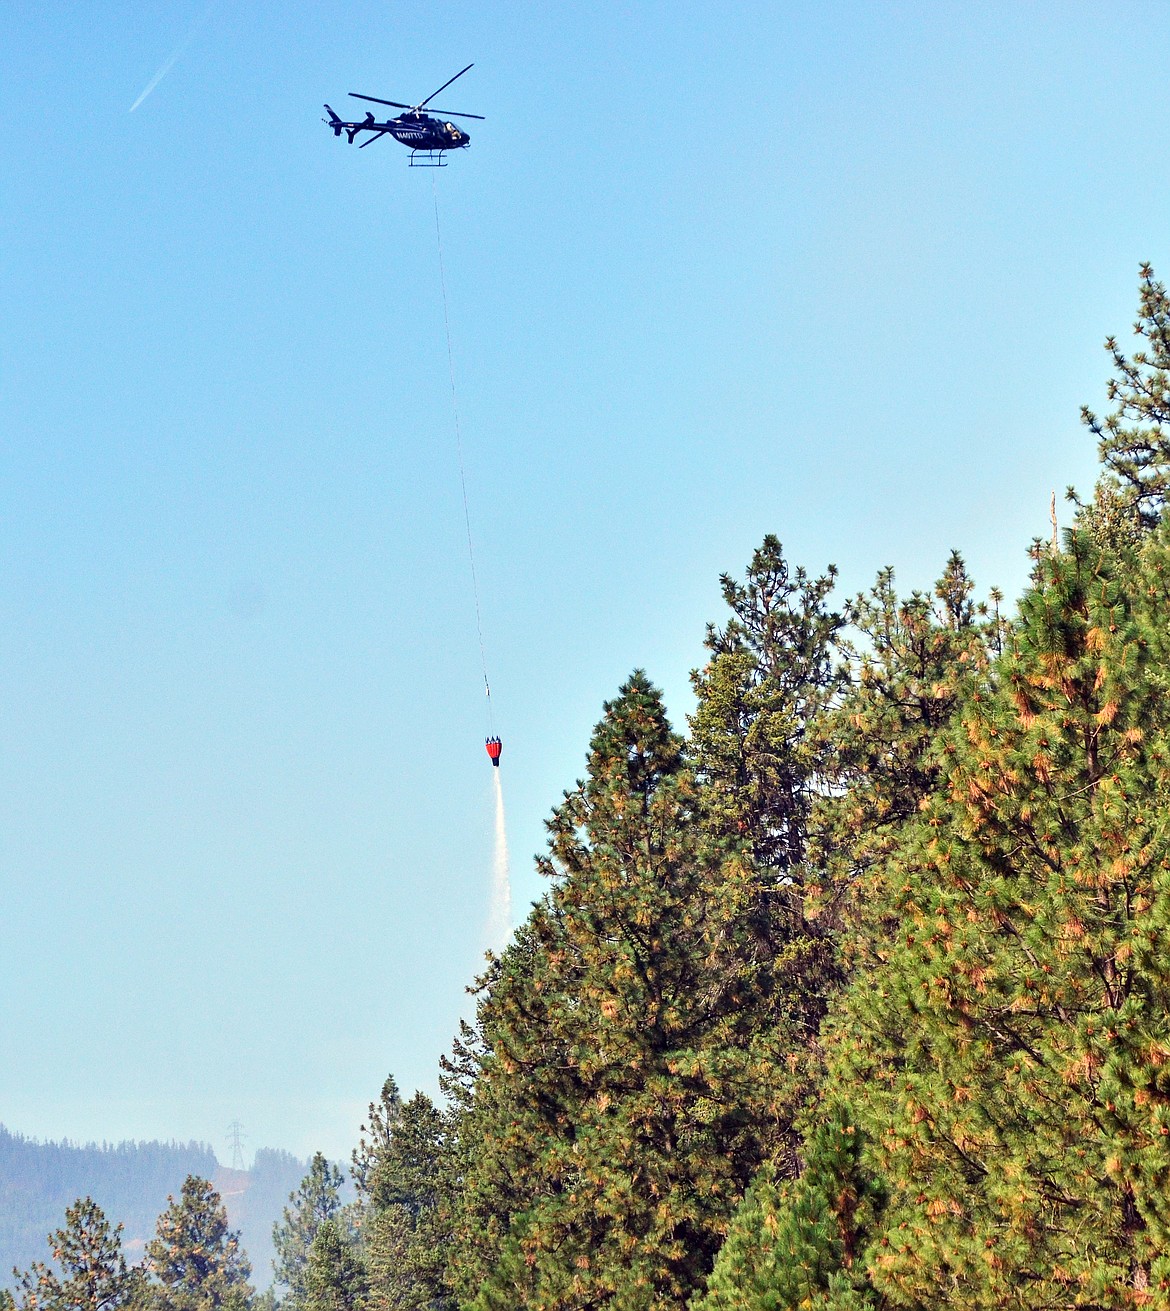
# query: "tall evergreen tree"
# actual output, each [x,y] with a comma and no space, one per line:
[770,675]
[1005,1049]
[625,1083]
[91,1272]
[760,757]
[374,1135]
[491,1155]
[195,1259]
[406,1232]
[1134,438]
[316,1201]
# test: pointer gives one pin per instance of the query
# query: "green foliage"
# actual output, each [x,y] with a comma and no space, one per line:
[335,1276]
[315,1202]
[1134,438]
[405,1172]
[91,1273]
[195,1261]
[911,659]
[374,1136]
[490,1157]
[760,759]
[1109,518]
[388,1248]
[795,1244]
[1005,1050]
[770,674]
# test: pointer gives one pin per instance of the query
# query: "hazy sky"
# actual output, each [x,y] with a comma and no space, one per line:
[839,272]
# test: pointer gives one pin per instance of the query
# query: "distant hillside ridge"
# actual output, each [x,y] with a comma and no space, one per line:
[131,1182]
[255,1200]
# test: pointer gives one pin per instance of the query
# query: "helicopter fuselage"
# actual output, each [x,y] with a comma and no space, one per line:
[421,132]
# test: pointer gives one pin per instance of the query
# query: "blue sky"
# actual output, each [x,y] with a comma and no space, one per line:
[841,273]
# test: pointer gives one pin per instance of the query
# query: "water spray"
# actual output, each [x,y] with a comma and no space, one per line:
[499,926]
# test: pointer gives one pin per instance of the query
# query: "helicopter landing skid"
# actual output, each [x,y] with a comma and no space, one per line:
[427,159]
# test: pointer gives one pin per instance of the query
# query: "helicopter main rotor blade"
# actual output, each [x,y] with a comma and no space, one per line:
[357,95]
[445,85]
[369,141]
[450,113]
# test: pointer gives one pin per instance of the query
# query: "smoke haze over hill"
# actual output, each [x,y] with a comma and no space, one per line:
[131,1182]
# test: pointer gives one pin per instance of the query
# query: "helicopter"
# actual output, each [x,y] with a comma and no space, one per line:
[427,137]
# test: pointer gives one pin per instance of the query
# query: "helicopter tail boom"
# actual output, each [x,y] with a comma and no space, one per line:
[339,125]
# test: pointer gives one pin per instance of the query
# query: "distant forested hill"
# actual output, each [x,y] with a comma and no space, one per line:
[255,1200]
[131,1183]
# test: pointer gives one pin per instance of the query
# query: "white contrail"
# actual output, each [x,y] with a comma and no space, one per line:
[166,68]
[500,914]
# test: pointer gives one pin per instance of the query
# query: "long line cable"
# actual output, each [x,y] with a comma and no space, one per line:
[459,449]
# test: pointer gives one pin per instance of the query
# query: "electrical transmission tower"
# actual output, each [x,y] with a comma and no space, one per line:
[236,1136]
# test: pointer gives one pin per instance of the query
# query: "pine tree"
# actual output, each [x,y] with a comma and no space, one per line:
[796,1244]
[1134,438]
[625,1083]
[316,1200]
[194,1259]
[335,1277]
[770,675]
[387,1239]
[91,1273]
[406,1226]
[1005,1049]
[374,1135]
[759,757]
[911,659]
[494,1145]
